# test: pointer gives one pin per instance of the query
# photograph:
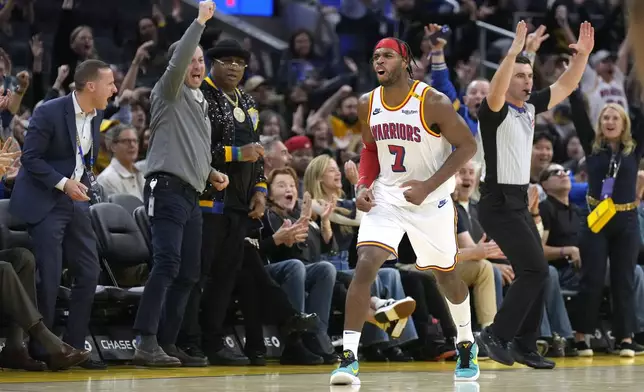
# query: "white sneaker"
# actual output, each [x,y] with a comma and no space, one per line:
[394,310]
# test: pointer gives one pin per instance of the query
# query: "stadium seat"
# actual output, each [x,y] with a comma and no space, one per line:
[129,202]
[142,220]
[121,243]
[13,232]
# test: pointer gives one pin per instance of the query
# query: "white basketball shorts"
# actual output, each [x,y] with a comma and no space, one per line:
[431,229]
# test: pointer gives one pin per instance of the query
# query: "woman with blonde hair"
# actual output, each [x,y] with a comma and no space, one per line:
[612,157]
[323,181]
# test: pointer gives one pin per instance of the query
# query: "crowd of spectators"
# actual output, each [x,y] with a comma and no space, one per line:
[308,125]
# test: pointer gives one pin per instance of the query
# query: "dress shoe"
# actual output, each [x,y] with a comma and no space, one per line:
[67,357]
[323,349]
[301,322]
[373,354]
[186,360]
[496,348]
[18,358]
[93,364]
[257,358]
[193,350]
[395,354]
[226,357]
[295,353]
[530,358]
[156,358]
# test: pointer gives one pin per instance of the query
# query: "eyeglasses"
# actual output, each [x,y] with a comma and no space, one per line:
[127,141]
[232,64]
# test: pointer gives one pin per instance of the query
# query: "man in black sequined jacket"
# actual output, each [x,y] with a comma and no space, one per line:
[229,215]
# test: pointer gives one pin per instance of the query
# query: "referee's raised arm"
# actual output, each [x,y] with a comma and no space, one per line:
[502,77]
[569,80]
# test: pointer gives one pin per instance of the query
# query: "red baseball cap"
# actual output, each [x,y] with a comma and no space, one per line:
[297,143]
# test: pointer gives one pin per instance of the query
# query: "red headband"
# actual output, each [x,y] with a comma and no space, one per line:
[392,44]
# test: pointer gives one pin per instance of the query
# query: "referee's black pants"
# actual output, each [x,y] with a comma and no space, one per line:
[222,255]
[503,213]
[618,241]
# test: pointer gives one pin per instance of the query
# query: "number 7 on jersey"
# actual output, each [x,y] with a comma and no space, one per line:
[399,157]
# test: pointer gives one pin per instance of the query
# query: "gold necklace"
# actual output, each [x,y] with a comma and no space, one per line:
[238,113]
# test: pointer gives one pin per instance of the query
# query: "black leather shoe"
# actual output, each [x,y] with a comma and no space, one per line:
[93,364]
[530,358]
[257,358]
[193,351]
[156,358]
[186,360]
[295,353]
[373,354]
[225,357]
[395,354]
[496,348]
[300,323]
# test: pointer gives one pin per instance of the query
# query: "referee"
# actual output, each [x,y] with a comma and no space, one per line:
[178,165]
[506,124]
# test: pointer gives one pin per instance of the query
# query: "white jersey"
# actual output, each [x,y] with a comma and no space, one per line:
[599,93]
[408,149]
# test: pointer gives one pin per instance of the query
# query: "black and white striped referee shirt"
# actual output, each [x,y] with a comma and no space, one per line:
[506,137]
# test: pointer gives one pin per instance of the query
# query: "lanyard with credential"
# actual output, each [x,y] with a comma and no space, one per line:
[94,195]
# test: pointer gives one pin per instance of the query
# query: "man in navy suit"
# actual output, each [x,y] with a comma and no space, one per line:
[52,194]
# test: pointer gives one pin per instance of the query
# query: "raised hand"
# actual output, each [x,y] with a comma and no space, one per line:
[519,39]
[307,207]
[431,29]
[206,11]
[535,39]
[37,48]
[351,172]
[586,41]
[143,52]
[23,79]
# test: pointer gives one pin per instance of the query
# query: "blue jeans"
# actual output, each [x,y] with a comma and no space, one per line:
[317,280]
[555,316]
[387,285]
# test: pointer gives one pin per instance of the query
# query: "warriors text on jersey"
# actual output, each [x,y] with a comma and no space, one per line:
[408,148]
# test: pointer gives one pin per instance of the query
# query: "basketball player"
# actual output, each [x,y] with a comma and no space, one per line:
[407,170]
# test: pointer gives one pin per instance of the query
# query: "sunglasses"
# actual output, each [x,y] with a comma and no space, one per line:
[556,172]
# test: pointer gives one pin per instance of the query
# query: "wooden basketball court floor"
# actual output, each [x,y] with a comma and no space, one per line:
[574,375]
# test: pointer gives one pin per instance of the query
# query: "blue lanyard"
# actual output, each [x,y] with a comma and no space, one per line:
[80,150]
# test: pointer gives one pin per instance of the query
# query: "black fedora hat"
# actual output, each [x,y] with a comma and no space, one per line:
[228,48]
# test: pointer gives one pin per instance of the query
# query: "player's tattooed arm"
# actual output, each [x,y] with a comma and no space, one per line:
[438,110]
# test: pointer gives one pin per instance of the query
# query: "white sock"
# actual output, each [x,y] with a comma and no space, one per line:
[351,341]
[462,318]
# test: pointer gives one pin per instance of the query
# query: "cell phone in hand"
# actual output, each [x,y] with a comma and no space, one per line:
[443,33]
